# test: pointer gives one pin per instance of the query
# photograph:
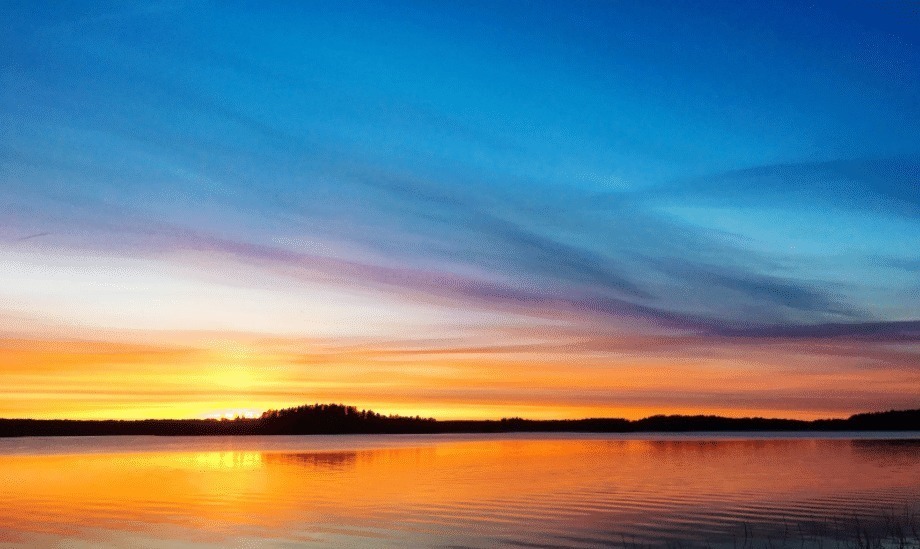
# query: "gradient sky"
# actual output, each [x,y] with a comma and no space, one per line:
[477,209]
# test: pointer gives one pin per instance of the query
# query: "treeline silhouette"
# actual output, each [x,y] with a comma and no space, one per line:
[318,419]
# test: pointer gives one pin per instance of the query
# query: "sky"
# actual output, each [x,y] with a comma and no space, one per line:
[459,210]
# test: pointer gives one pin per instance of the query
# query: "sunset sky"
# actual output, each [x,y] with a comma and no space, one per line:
[459,209]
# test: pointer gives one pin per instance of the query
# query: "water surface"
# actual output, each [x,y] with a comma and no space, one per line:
[521,490]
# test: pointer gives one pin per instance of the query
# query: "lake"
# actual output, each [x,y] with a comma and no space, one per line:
[517,490]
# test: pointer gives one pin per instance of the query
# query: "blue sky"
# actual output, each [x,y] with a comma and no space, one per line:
[738,169]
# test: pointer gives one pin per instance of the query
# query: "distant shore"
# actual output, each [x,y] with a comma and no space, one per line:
[329,419]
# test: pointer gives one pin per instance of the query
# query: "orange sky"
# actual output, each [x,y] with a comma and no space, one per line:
[554,375]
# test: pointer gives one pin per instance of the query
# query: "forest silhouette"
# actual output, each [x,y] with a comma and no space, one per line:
[316,419]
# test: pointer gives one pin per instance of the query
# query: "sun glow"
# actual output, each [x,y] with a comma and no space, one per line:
[236,375]
[234,413]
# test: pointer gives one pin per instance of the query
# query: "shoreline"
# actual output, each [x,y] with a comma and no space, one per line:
[339,419]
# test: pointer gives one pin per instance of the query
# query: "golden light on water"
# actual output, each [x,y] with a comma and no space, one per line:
[413,490]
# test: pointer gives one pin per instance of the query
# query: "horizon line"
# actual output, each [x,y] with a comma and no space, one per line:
[480,420]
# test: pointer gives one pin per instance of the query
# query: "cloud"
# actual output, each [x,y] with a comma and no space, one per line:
[432,237]
[906,264]
[895,330]
[31,236]
[753,287]
[886,185]
[488,294]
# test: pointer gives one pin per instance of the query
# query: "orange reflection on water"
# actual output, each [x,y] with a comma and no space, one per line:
[467,489]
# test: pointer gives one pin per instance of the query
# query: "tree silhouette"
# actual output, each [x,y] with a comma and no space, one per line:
[341,419]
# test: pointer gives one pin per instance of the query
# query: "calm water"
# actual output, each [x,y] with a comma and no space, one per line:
[440,491]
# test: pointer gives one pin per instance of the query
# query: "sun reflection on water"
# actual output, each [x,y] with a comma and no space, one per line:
[426,492]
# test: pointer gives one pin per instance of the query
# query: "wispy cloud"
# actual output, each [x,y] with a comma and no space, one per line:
[886,185]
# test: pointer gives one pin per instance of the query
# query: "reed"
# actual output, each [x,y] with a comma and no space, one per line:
[889,531]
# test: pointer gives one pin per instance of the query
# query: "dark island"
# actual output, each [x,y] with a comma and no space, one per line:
[340,419]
